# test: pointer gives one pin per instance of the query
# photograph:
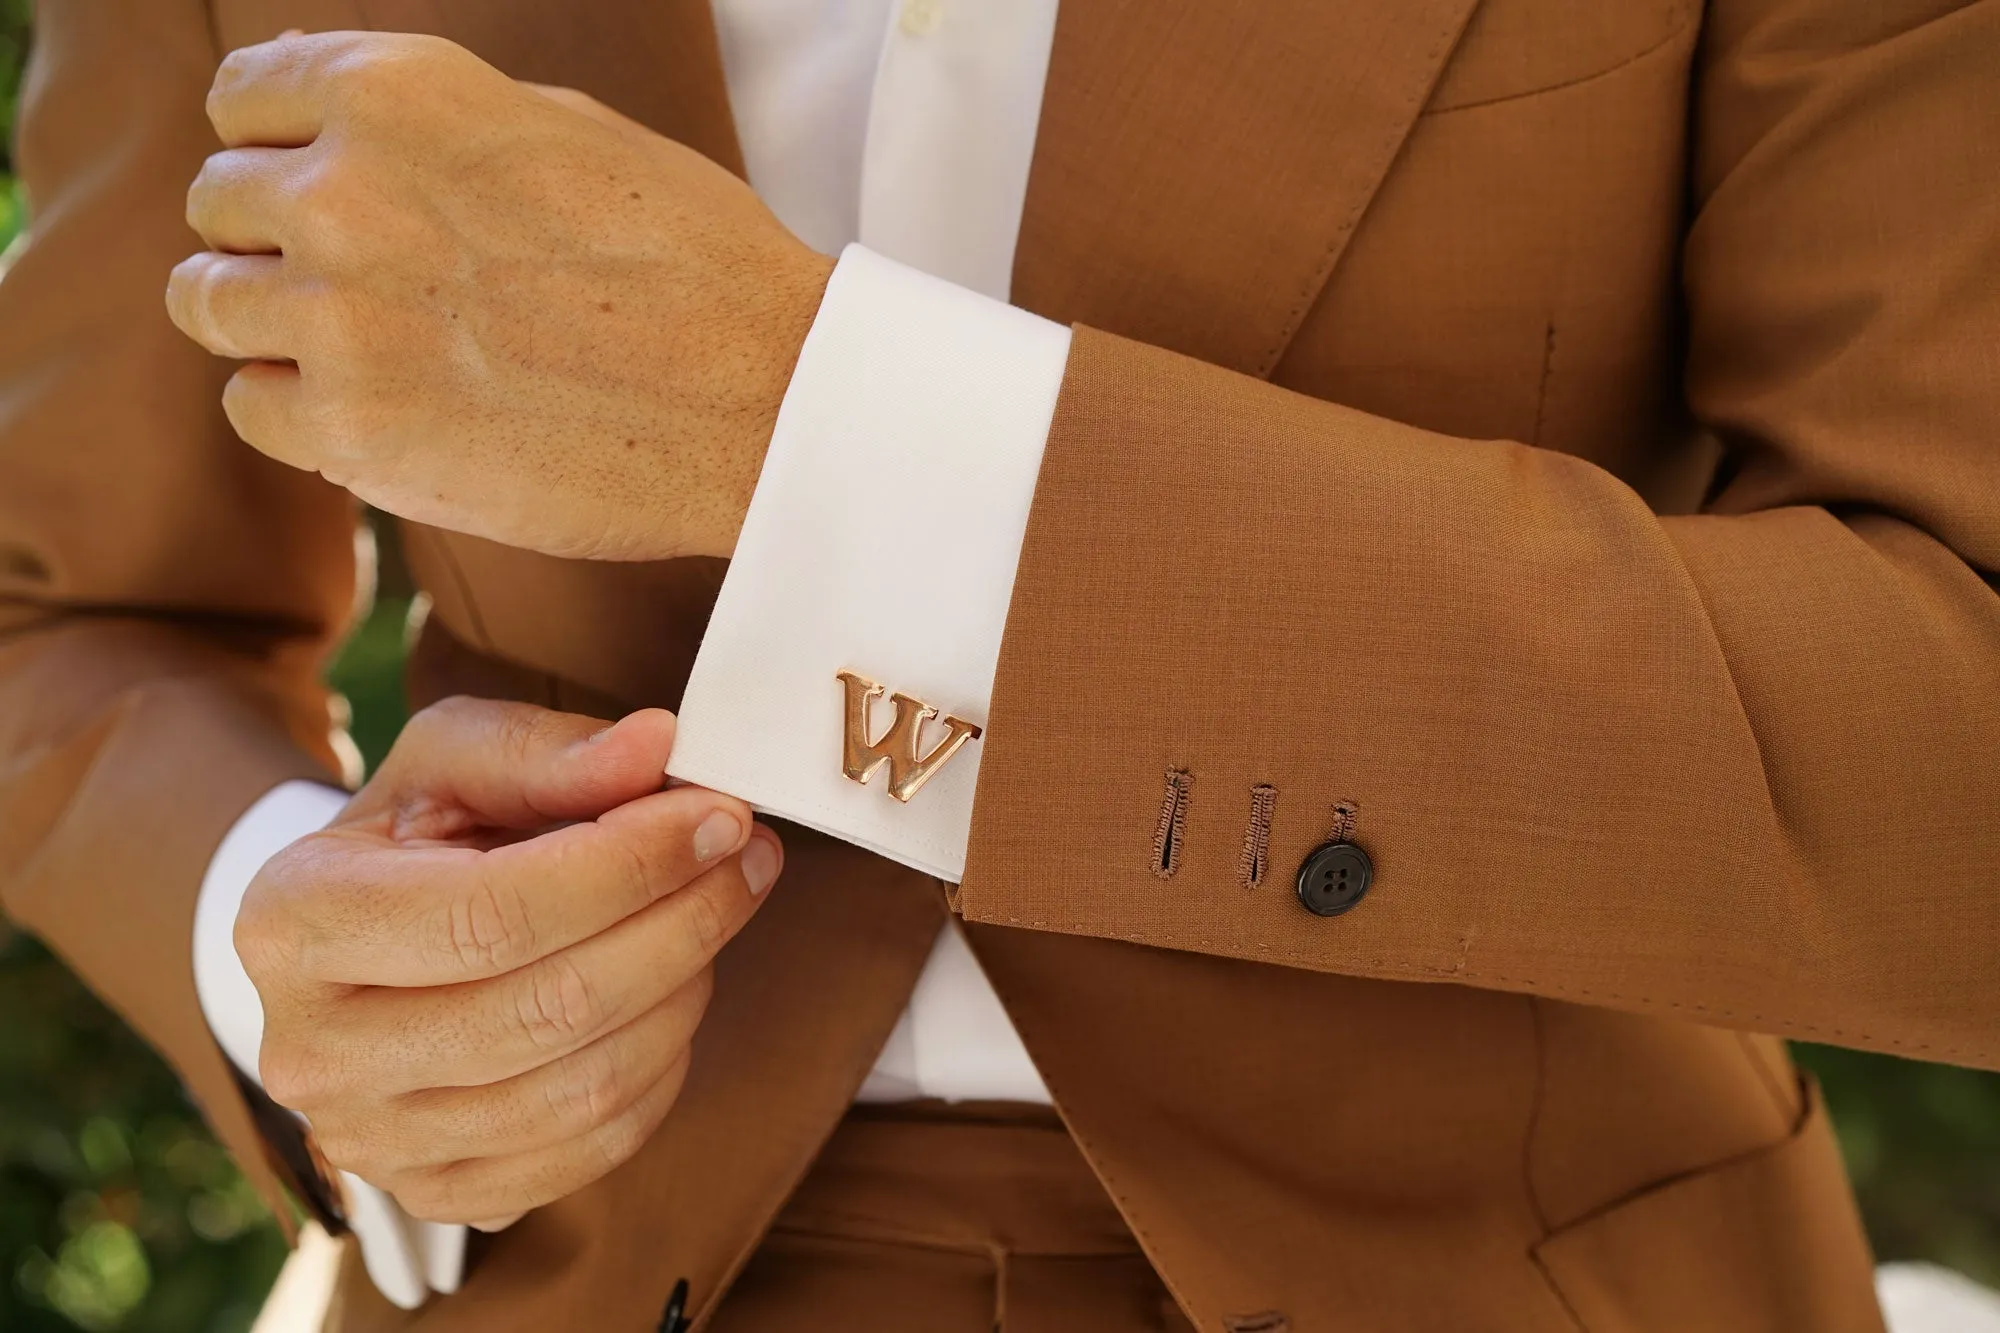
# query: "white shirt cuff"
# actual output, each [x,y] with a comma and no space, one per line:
[882,540]
[406,1259]
[283,815]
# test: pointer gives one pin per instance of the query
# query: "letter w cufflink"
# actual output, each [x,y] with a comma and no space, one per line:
[860,758]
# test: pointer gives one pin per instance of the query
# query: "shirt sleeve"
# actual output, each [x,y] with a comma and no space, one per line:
[405,1258]
[881,542]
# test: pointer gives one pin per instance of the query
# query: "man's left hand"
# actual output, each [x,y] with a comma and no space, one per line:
[491,308]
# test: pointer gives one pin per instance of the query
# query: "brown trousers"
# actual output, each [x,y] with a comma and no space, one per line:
[928,1218]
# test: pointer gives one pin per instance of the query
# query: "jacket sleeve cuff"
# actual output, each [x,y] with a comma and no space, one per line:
[881,541]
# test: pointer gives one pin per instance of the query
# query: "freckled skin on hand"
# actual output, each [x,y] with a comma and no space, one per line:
[462,362]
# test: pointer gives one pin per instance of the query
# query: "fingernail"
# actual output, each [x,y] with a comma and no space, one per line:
[716,835]
[760,864]
[598,735]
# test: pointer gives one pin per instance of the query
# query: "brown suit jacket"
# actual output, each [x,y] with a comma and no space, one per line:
[1562,430]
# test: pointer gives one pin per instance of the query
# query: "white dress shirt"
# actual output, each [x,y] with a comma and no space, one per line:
[887,523]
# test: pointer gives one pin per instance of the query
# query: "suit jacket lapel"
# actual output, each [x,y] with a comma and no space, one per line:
[1201,164]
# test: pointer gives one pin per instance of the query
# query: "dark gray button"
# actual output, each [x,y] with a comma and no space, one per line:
[1334,877]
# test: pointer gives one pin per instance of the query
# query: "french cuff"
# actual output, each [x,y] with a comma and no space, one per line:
[405,1258]
[852,649]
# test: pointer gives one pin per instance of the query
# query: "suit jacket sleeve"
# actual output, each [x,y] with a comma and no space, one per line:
[166,594]
[1741,766]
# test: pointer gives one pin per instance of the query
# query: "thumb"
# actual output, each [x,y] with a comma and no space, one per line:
[514,765]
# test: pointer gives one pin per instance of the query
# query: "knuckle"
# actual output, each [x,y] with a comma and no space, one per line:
[696,994]
[201,191]
[464,1192]
[369,1154]
[266,933]
[261,942]
[637,881]
[432,718]
[707,922]
[181,278]
[364,71]
[486,930]
[587,1093]
[309,1063]
[256,404]
[300,915]
[557,1006]
[519,730]
[433,1194]
[283,1076]
[239,401]
[297,1073]
[620,1139]
[512,732]
[427,48]
[223,170]
[201,288]
[617,1141]
[327,192]
[230,74]
[435,723]
[391,65]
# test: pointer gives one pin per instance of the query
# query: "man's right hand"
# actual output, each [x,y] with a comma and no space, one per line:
[481,981]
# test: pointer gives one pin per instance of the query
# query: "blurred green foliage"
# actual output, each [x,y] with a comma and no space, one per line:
[14,31]
[119,1212]
[1922,1144]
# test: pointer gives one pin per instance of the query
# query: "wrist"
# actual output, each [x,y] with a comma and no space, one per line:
[794,298]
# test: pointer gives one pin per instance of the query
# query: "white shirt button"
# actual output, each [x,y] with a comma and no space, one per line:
[921,17]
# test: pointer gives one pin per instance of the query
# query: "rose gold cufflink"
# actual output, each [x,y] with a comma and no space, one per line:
[860,758]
